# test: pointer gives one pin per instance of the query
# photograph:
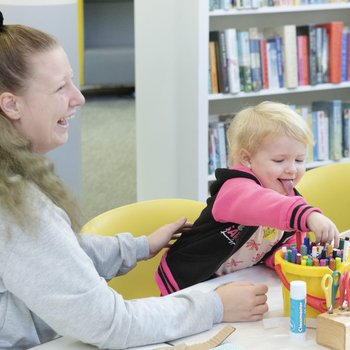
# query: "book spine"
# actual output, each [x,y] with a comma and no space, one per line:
[223,62]
[279,52]
[212,148]
[290,56]
[315,133]
[335,33]
[213,68]
[312,54]
[336,131]
[319,55]
[254,47]
[264,63]
[222,144]
[272,63]
[344,71]
[244,61]
[346,129]
[210,84]
[323,135]
[232,60]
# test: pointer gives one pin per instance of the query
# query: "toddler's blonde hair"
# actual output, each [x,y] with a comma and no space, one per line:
[252,125]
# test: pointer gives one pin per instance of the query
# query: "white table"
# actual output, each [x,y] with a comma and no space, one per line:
[272,333]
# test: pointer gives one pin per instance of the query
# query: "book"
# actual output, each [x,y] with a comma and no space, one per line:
[312,54]
[348,56]
[279,53]
[210,88]
[232,60]
[211,150]
[322,55]
[213,68]
[322,135]
[255,59]
[220,53]
[335,39]
[289,52]
[346,128]
[345,51]
[314,116]
[333,109]
[264,63]
[244,60]
[222,144]
[305,112]
[303,60]
[272,63]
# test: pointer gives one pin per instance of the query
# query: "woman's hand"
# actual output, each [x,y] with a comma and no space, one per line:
[161,238]
[243,301]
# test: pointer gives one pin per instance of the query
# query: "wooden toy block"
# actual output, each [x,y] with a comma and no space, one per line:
[333,330]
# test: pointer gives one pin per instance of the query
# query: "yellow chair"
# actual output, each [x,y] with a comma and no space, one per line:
[142,218]
[328,188]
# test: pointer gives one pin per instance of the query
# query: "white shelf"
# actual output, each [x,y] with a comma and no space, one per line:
[268,92]
[280,9]
[172,101]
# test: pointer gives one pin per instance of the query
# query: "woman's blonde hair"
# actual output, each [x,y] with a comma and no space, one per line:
[252,125]
[19,165]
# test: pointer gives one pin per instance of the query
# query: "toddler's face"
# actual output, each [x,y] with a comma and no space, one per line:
[279,163]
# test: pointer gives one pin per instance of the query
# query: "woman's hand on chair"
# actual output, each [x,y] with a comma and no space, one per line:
[161,238]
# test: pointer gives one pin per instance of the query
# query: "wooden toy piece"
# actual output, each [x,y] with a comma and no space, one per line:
[333,330]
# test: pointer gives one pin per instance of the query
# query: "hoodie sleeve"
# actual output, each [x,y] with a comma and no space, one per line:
[243,200]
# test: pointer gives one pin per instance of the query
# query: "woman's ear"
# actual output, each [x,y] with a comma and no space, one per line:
[8,104]
[244,157]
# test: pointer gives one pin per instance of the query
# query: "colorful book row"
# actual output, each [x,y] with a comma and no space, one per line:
[253,4]
[329,121]
[287,56]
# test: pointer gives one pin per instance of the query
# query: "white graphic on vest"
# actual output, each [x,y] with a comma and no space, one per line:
[231,233]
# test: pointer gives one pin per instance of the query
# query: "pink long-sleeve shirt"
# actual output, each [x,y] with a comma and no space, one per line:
[255,205]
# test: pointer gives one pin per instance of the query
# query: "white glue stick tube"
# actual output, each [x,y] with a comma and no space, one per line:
[298,310]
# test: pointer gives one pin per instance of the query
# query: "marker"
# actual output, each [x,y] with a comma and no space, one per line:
[307,244]
[346,249]
[337,263]
[303,250]
[294,255]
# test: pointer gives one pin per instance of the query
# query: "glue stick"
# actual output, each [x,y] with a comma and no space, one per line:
[298,310]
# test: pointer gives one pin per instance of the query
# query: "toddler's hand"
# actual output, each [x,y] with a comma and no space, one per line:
[323,228]
[161,238]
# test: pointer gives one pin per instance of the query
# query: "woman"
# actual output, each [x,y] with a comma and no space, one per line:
[52,280]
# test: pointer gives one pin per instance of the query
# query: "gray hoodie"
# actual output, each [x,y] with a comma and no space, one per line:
[52,283]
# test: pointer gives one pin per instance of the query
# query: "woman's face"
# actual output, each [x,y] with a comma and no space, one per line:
[50,100]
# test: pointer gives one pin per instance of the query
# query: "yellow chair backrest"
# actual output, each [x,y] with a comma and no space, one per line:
[142,218]
[328,188]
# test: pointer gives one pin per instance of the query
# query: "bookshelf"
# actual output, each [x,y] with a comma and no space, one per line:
[172,101]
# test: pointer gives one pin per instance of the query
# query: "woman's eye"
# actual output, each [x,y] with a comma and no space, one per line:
[60,88]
